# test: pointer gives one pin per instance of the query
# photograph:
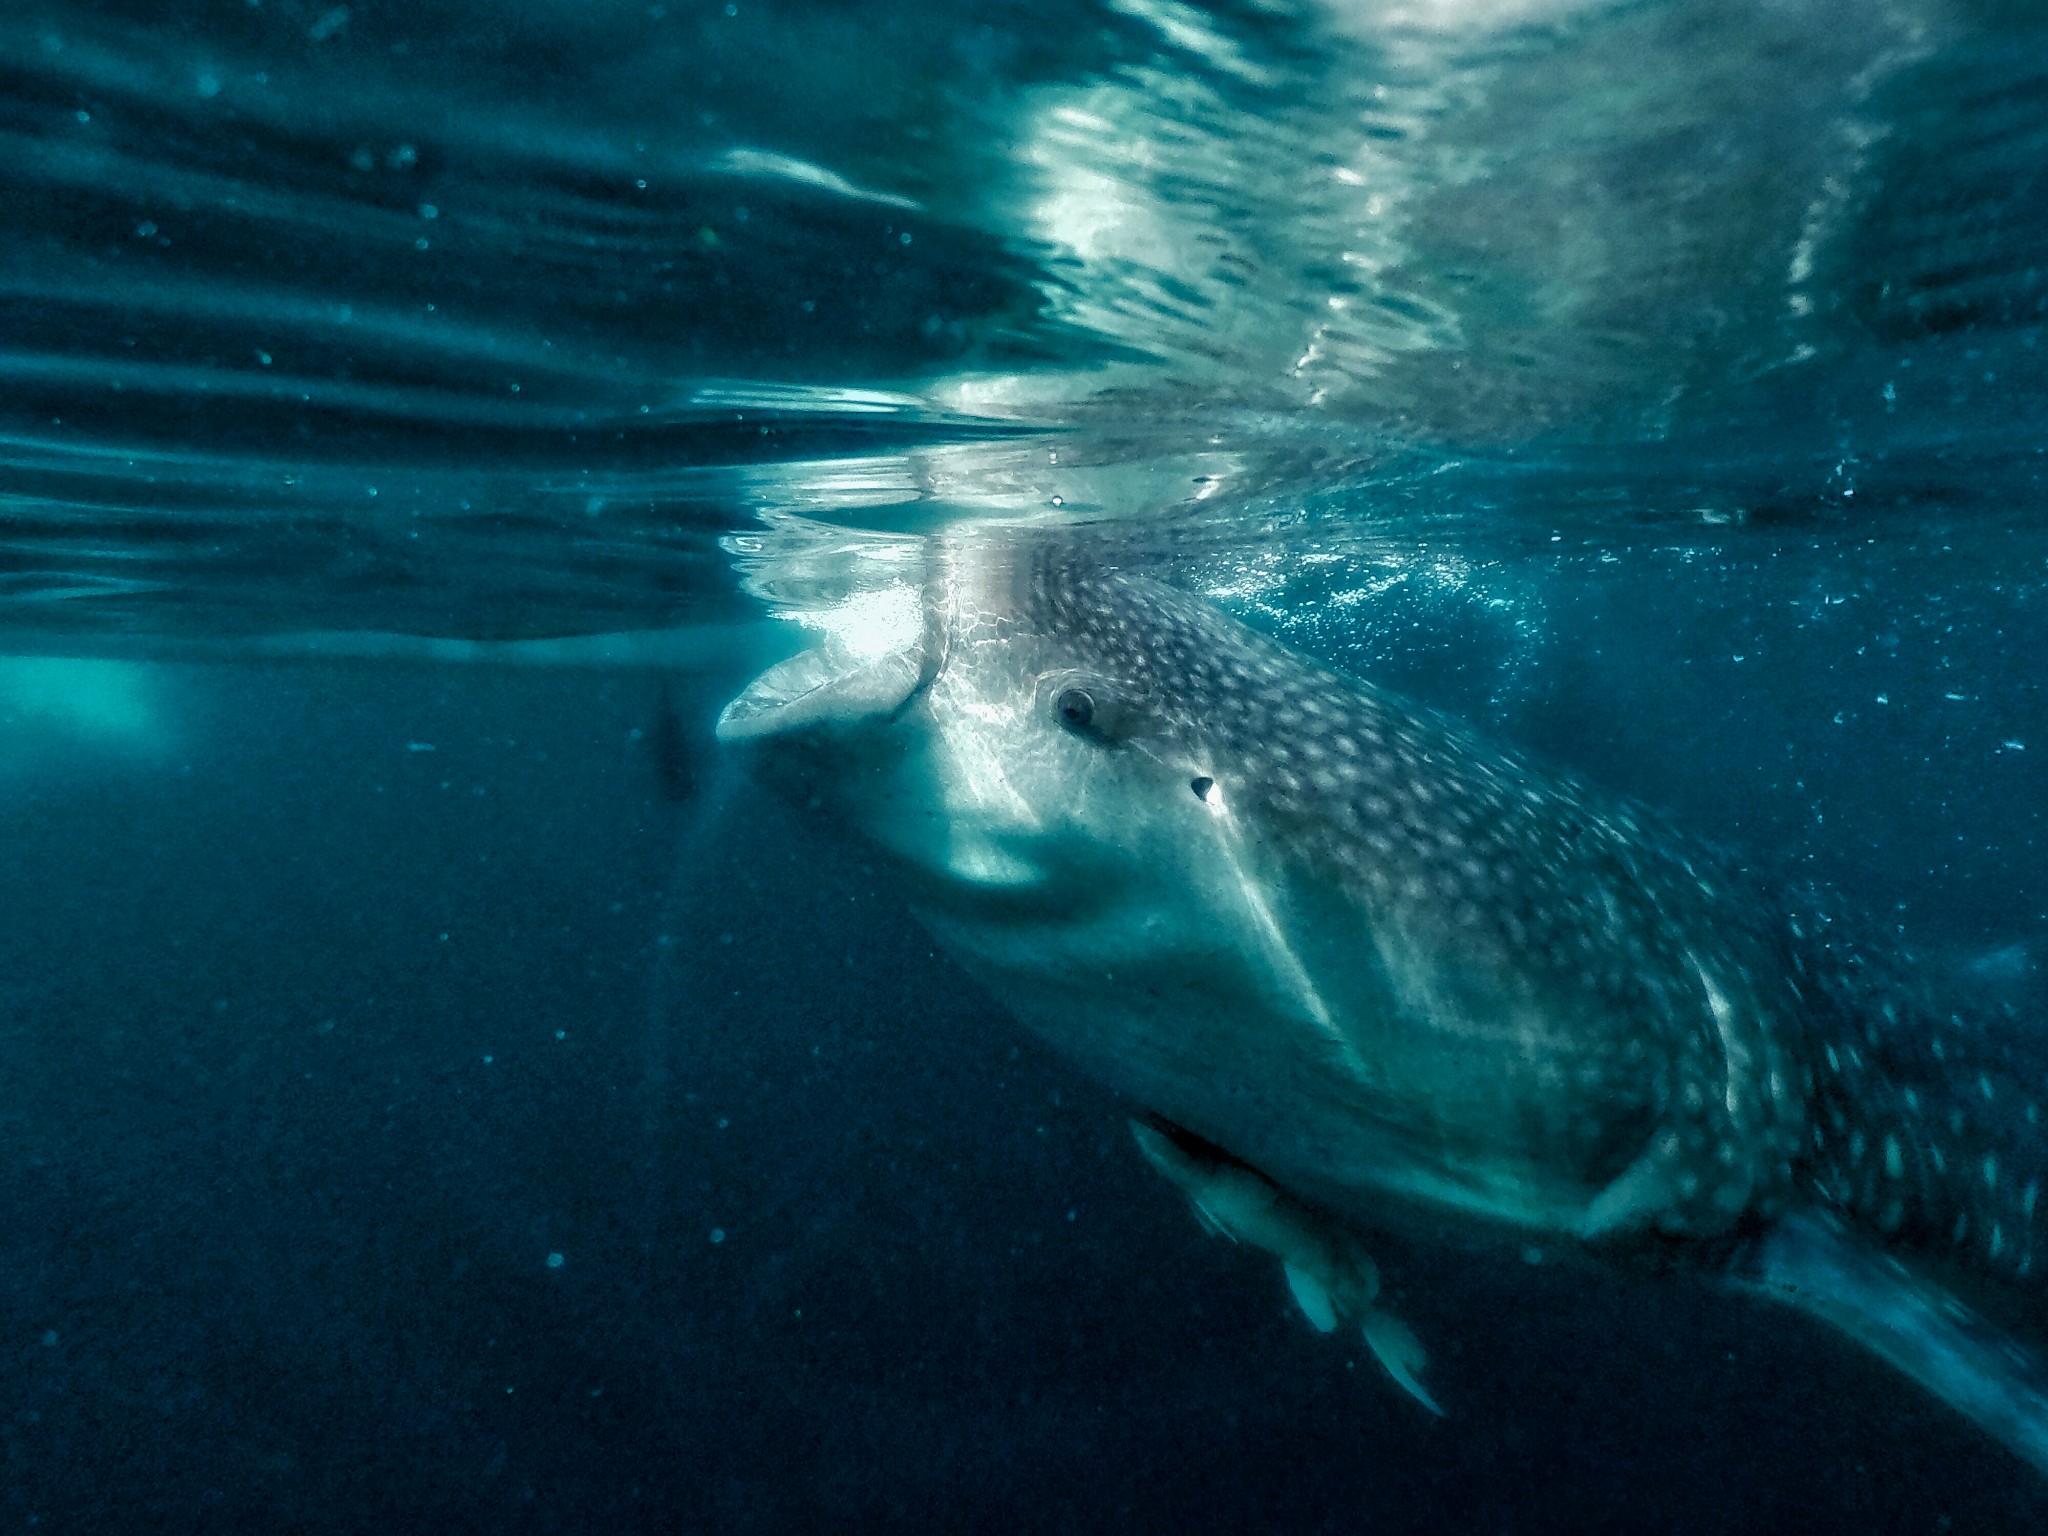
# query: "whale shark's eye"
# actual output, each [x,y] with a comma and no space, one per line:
[1089,706]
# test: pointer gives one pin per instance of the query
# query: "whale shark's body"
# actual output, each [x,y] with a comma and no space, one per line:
[1337,939]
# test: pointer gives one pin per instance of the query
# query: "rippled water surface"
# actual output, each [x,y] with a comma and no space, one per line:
[442,1091]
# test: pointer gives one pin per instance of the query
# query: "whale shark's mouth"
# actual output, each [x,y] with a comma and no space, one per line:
[869,661]
[825,684]
[865,597]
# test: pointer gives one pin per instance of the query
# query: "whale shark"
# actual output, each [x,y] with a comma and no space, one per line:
[1363,970]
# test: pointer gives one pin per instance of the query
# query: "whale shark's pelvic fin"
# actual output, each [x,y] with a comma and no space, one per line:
[1815,1263]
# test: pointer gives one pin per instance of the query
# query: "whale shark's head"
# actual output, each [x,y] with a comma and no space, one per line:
[1314,924]
[992,711]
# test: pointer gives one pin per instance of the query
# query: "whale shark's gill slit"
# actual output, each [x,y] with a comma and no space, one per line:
[1734,1054]
[1287,966]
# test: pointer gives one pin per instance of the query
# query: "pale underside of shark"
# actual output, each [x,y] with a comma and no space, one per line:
[1359,966]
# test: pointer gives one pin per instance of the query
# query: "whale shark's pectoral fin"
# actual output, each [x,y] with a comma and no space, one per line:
[1400,1352]
[1392,1341]
[1331,1276]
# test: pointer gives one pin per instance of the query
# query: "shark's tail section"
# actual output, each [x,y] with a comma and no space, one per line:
[1929,1122]
[1821,1266]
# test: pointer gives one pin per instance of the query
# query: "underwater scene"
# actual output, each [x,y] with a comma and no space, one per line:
[1085,765]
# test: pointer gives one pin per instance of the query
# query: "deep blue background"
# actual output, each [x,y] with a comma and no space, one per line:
[277,1236]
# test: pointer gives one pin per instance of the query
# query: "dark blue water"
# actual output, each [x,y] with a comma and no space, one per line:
[440,1091]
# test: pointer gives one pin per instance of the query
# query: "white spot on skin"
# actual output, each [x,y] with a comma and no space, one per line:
[1894,1163]
[1990,1172]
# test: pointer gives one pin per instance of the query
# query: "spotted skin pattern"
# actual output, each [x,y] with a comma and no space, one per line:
[1927,1124]
[1589,916]
[1847,1082]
